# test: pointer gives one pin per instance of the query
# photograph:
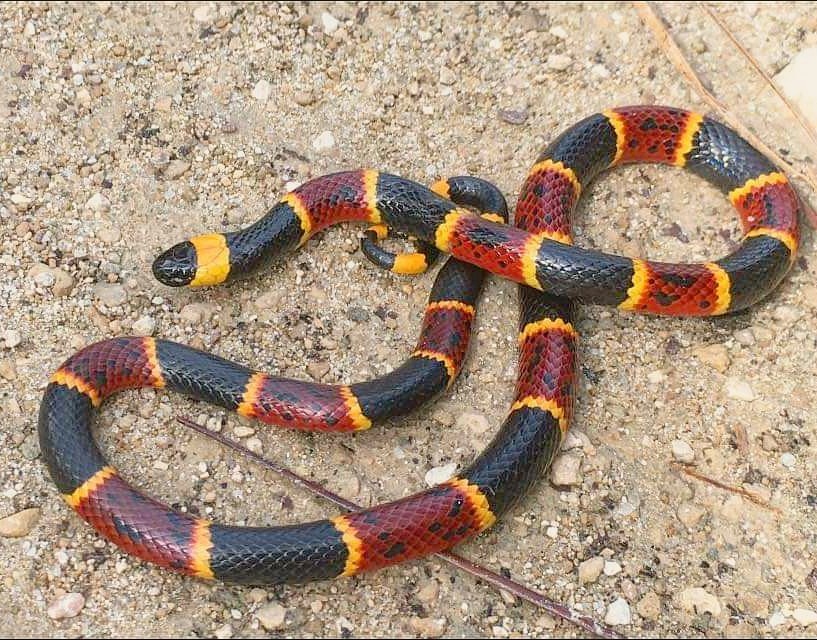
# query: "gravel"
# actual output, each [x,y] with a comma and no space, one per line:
[125,128]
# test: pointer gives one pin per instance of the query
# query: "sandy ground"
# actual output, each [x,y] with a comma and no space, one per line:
[124,129]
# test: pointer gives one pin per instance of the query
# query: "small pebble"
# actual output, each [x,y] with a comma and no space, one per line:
[262,90]
[715,356]
[690,514]
[804,617]
[590,570]
[649,607]
[19,524]
[699,601]
[98,203]
[618,613]
[428,627]
[111,295]
[330,23]
[612,568]
[739,389]
[272,616]
[224,632]
[682,452]
[12,338]
[144,326]
[242,432]
[559,61]
[324,141]
[428,592]
[788,460]
[176,169]
[438,475]
[566,471]
[67,606]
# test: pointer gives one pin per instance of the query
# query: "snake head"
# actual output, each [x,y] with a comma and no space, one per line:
[177,266]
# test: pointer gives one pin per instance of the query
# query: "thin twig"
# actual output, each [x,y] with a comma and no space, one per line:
[494,579]
[728,487]
[793,108]
[673,52]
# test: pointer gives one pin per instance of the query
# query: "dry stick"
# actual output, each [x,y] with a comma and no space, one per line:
[728,487]
[793,108]
[673,52]
[494,579]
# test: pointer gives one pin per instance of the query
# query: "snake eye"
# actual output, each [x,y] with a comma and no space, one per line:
[176,267]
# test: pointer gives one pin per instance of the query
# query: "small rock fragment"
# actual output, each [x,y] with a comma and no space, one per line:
[698,600]
[559,61]
[739,389]
[690,513]
[262,90]
[330,23]
[111,295]
[272,616]
[98,203]
[428,592]
[682,452]
[618,613]
[12,338]
[323,141]
[804,617]
[428,627]
[144,326]
[438,475]
[715,356]
[67,606]
[649,607]
[590,570]
[176,169]
[566,471]
[612,568]
[19,524]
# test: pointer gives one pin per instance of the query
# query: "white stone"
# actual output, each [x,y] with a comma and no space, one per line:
[67,606]
[612,568]
[566,471]
[656,377]
[618,613]
[682,452]
[804,617]
[788,460]
[262,90]
[12,338]
[323,141]
[438,475]
[98,203]
[739,389]
[697,600]
[796,80]
[559,61]
[330,23]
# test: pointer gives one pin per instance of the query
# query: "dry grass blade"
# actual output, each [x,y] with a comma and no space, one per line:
[751,497]
[792,107]
[676,56]
[494,579]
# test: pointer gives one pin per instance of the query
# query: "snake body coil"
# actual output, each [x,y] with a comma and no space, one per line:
[535,253]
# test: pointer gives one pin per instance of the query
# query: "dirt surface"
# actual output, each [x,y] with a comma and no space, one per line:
[124,129]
